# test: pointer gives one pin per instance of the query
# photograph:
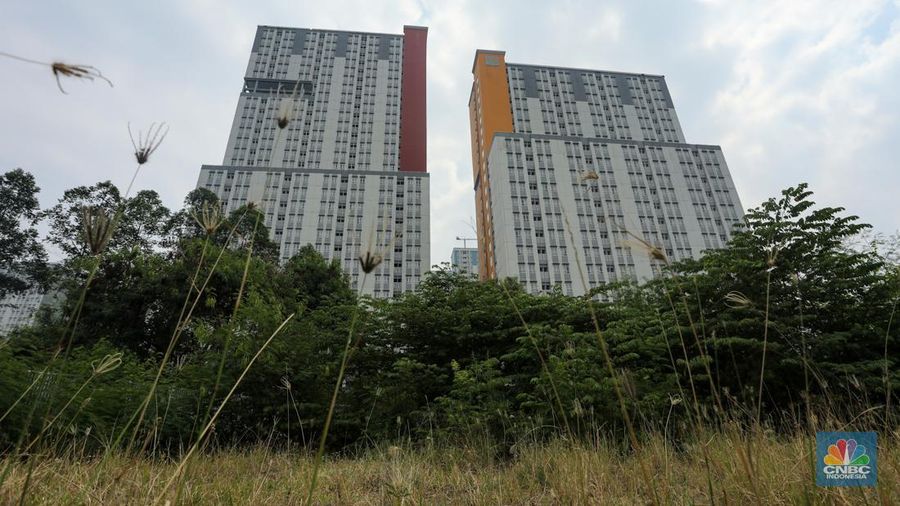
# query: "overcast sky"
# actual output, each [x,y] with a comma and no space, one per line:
[792,90]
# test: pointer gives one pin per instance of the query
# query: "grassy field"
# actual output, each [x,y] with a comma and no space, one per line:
[559,473]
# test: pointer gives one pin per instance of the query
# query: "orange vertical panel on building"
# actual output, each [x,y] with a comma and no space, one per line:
[490,112]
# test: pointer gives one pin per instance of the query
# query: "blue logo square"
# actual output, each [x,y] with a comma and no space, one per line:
[846,459]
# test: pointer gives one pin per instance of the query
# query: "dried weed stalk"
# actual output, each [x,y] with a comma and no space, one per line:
[147,144]
[61,69]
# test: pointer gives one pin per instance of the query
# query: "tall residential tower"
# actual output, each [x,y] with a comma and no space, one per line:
[464,261]
[348,171]
[568,163]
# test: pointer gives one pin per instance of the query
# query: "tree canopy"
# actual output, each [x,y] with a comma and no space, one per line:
[23,260]
[459,356]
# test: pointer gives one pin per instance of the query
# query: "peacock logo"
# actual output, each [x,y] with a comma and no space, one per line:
[845,452]
[847,459]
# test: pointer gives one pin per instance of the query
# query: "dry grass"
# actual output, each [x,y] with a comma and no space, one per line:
[557,473]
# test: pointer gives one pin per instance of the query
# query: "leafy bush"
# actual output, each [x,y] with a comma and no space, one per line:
[456,358]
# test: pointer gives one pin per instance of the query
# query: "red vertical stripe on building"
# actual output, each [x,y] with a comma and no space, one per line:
[413,146]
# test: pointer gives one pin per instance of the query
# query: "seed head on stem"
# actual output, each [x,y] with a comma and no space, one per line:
[147,144]
[88,72]
[772,257]
[61,69]
[285,108]
[655,252]
[106,364]
[96,229]
[369,260]
[209,217]
[284,113]
[737,299]
[589,175]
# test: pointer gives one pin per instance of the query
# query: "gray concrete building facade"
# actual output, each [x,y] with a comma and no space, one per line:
[464,260]
[580,161]
[347,172]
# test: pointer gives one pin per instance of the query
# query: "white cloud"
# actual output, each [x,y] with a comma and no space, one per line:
[810,99]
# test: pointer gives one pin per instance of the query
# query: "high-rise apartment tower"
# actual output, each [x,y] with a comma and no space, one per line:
[568,163]
[347,173]
[464,260]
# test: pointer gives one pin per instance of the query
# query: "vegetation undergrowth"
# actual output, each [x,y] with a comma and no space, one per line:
[556,472]
[706,384]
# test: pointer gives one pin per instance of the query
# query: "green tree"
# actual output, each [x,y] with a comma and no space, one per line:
[244,224]
[22,255]
[317,281]
[827,307]
[182,224]
[141,225]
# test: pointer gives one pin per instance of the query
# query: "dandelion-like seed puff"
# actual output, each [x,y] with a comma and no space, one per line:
[209,217]
[284,113]
[285,107]
[589,175]
[108,363]
[772,257]
[61,69]
[96,229]
[737,299]
[144,147]
[655,252]
[76,71]
[147,144]
[369,260]
[586,177]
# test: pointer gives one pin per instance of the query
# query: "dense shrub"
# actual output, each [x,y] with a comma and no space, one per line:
[453,358]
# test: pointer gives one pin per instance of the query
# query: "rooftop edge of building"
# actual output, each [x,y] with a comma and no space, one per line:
[555,67]
[576,69]
[327,30]
[485,51]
